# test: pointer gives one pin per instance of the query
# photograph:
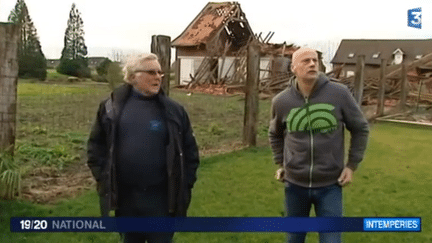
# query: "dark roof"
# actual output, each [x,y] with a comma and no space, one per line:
[97,58]
[385,48]
[210,21]
[88,58]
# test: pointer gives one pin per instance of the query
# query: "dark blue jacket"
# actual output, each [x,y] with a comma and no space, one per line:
[181,152]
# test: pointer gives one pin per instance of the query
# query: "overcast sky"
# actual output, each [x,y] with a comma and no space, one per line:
[128,25]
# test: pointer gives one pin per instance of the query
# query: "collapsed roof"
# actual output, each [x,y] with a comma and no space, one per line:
[216,19]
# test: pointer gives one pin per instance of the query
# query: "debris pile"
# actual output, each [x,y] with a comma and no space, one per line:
[419,77]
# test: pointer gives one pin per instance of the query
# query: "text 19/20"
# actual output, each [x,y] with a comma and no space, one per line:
[34,224]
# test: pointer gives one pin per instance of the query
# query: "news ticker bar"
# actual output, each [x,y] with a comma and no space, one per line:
[214,224]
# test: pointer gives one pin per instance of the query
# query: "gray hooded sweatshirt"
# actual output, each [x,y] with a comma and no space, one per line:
[307,134]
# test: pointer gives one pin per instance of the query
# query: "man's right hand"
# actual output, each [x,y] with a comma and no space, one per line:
[280,174]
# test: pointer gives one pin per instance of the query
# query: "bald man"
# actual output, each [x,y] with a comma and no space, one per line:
[307,139]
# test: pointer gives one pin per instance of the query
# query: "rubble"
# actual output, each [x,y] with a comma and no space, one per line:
[419,75]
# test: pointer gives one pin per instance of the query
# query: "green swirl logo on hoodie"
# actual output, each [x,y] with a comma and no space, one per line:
[315,117]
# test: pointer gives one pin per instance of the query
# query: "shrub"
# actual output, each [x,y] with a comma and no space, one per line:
[114,75]
[77,68]
[102,68]
[32,67]
[10,177]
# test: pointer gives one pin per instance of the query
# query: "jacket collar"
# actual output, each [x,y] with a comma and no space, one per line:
[169,106]
[120,95]
[321,81]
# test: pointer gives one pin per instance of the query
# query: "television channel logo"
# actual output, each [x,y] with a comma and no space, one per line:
[415,18]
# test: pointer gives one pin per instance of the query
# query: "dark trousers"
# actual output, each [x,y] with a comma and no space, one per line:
[327,201]
[149,202]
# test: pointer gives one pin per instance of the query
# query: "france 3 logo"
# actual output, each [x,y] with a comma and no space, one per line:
[415,18]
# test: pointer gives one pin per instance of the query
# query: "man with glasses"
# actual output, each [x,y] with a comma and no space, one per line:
[142,151]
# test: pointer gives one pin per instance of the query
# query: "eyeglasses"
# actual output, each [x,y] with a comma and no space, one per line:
[151,72]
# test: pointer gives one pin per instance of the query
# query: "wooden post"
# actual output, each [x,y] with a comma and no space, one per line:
[381,91]
[9,38]
[359,79]
[419,93]
[404,87]
[251,91]
[161,46]
[177,68]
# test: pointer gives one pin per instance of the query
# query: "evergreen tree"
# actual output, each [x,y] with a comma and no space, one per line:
[31,60]
[73,60]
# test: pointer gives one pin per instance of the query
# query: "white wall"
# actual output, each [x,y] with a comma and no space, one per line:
[188,66]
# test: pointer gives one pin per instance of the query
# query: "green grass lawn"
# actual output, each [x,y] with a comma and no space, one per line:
[217,121]
[54,120]
[393,181]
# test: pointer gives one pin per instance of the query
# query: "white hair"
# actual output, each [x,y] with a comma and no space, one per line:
[134,62]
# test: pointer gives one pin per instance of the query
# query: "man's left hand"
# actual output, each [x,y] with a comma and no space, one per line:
[346,176]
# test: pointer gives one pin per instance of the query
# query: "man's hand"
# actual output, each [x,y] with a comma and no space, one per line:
[346,177]
[280,174]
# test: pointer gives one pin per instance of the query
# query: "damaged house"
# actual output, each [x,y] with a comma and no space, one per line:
[213,50]
[208,48]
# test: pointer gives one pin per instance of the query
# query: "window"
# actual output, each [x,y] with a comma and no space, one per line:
[351,55]
[418,56]
[350,74]
[376,55]
[398,56]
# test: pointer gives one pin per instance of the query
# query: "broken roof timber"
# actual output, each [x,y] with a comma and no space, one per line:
[209,23]
[283,49]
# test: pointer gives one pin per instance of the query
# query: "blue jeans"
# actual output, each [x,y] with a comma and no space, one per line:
[327,202]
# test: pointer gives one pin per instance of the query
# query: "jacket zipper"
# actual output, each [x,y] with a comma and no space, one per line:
[311,141]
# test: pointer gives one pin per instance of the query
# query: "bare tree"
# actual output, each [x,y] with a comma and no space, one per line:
[116,55]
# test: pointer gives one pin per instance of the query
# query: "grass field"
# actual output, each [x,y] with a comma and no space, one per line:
[53,118]
[393,180]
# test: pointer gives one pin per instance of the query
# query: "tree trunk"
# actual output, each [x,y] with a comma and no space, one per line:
[9,39]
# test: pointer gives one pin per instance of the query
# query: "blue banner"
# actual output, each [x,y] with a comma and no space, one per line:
[392,224]
[212,224]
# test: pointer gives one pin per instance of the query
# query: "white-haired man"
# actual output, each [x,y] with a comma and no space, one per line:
[142,151]
[307,139]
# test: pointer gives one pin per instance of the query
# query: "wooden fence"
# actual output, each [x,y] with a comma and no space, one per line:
[9,37]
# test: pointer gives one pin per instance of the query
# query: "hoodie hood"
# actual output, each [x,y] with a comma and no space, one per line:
[321,81]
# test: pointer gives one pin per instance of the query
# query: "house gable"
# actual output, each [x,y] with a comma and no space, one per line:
[222,22]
